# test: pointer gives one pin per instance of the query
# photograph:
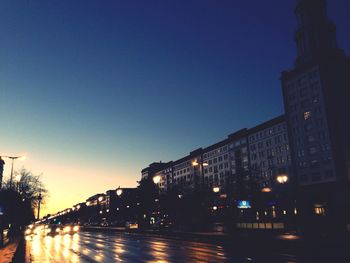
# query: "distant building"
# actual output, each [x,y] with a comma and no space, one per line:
[245,158]
[149,171]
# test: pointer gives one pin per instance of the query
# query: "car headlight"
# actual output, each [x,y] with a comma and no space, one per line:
[76,228]
[67,229]
[58,230]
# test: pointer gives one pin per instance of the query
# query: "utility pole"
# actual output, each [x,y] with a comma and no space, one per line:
[2,163]
[39,199]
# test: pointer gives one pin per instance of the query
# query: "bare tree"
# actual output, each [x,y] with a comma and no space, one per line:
[29,186]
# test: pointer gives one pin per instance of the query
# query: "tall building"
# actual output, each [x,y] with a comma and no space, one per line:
[316,99]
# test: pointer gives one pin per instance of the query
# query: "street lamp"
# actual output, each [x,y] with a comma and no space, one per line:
[13,158]
[266,190]
[282,179]
[119,191]
[156,179]
[201,164]
[39,202]
[216,189]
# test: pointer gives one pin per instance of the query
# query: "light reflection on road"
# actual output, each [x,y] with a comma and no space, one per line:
[122,247]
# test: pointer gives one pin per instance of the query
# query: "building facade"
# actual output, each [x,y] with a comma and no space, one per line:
[316,96]
[246,159]
[269,152]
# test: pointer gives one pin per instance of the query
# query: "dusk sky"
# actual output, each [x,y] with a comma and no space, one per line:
[94,91]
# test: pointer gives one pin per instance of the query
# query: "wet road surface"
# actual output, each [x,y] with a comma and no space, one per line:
[124,247]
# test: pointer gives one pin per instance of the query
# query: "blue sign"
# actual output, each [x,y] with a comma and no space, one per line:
[2,210]
[243,204]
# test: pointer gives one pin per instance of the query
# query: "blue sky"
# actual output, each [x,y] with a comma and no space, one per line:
[93,91]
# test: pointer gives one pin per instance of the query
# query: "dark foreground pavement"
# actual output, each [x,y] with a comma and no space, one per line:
[111,246]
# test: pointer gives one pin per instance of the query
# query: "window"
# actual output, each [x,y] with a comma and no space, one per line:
[308,126]
[305,103]
[307,115]
[303,92]
[316,98]
[314,162]
[329,174]
[312,150]
[310,138]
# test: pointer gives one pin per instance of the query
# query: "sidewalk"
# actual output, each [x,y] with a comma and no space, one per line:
[7,252]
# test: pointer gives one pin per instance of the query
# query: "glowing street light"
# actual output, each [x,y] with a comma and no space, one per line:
[282,179]
[266,190]
[119,191]
[216,189]
[196,163]
[201,165]
[156,179]
[100,198]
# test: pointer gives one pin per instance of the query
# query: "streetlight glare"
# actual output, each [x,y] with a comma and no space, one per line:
[216,189]
[282,179]
[119,192]
[156,179]
[22,157]
[195,163]
[266,190]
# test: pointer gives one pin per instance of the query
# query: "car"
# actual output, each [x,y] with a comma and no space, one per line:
[29,230]
[163,224]
[56,229]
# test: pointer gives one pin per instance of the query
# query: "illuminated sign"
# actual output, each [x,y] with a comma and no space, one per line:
[2,210]
[243,204]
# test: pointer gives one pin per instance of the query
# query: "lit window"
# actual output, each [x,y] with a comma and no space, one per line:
[307,115]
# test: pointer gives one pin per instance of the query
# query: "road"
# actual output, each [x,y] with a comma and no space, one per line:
[120,247]
[124,247]
[133,247]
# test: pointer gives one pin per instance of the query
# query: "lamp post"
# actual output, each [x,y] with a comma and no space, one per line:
[12,161]
[18,179]
[39,199]
[2,163]
[200,164]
